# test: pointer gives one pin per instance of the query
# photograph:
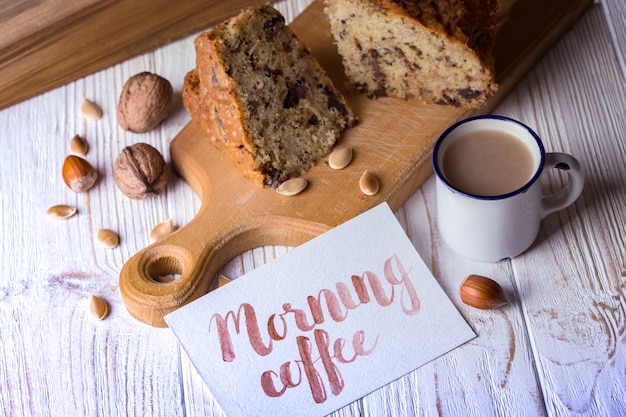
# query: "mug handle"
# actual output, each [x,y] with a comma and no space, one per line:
[573,189]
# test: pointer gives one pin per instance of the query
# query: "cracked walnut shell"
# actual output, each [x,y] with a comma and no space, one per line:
[140,171]
[144,102]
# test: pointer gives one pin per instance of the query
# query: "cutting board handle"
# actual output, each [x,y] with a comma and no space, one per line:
[180,268]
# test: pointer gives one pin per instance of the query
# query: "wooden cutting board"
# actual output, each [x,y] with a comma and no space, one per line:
[394,140]
[48,43]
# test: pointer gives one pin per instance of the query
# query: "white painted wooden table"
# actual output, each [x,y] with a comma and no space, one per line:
[558,349]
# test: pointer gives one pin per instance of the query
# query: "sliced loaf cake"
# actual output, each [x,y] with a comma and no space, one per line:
[436,51]
[260,96]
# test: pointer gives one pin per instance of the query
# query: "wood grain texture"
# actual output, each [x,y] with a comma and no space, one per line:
[558,349]
[47,43]
[574,299]
[393,140]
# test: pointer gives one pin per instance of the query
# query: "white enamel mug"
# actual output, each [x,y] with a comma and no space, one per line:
[493,228]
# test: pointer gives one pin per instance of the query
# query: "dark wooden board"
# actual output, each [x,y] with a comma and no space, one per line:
[45,44]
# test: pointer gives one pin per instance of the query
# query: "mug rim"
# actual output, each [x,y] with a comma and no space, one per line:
[522,189]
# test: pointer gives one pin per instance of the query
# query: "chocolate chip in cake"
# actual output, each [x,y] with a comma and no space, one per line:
[252,107]
[269,25]
[335,103]
[469,93]
[295,93]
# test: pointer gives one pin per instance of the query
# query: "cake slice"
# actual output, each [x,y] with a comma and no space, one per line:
[260,96]
[436,51]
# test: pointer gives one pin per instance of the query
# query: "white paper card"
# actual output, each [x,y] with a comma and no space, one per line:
[323,325]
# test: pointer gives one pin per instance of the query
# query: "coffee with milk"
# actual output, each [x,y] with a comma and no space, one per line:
[488,163]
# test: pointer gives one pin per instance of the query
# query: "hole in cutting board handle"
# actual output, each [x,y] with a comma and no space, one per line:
[165,269]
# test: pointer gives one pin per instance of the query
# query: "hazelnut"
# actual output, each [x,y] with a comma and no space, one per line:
[78,174]
[482,292]
[144,102]
[140,171]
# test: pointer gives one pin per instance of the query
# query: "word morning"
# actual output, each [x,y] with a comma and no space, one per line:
[304,326]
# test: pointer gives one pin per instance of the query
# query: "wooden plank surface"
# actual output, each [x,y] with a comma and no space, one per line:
[393,140]
[558,349]
[47,43]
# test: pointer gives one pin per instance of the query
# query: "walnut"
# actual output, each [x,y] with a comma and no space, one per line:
[144,102]
[140,171]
